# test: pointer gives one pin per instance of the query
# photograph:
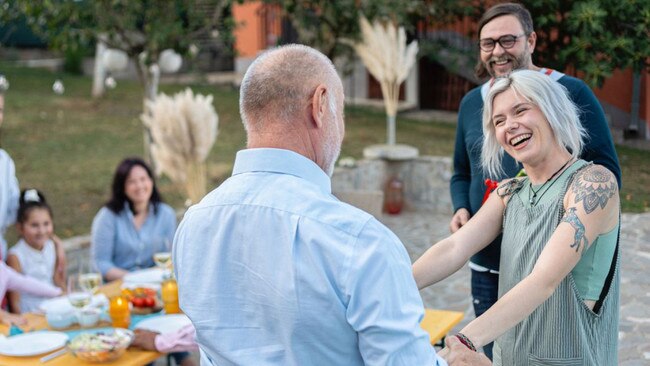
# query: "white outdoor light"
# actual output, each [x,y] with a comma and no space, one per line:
[110,82]
[115,60]
[4,83]
[58,87]
[170,61]
[194,50]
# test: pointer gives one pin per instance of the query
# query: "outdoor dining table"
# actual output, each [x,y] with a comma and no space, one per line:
[132,357]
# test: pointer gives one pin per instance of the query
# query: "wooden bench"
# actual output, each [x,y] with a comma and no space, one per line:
[438,323]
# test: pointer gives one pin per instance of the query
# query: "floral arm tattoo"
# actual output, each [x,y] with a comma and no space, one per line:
[594,188]
[579,237]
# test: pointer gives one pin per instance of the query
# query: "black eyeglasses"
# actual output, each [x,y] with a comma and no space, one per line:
[506,42]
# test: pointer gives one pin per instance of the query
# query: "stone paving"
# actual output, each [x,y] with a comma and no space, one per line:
[418,229]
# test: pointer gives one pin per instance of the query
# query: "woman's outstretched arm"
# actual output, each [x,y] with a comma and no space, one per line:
[450,254]
[592,208]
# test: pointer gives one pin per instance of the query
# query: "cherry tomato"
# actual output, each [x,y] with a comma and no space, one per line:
[138,302]
[149,302]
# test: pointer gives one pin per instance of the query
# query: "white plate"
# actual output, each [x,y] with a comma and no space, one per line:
[132,285]
[32,344]
[149,275]
[61,303]
[164,323]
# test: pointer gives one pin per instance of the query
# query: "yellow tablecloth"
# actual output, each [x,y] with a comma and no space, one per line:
[132,357]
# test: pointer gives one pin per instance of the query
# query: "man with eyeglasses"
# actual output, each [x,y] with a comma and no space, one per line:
[506,43]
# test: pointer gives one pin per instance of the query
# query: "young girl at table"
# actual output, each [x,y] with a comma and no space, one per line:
[35,254]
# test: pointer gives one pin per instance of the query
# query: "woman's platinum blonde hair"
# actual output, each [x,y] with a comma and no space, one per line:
[550,97]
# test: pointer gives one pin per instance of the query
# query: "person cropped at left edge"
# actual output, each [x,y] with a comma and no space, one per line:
[133,225]
[9,191]
[14,281]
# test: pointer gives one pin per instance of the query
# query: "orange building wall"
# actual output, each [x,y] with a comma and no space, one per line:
[617,91]
[248,40]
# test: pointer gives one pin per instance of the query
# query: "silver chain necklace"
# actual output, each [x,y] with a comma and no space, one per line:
[533,199]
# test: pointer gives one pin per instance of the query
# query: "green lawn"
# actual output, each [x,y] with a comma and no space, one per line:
[68,145]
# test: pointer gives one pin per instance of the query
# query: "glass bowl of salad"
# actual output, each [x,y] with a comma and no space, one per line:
[101,346]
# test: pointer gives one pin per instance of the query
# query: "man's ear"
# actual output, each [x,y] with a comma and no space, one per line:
[318,105]
[532,41]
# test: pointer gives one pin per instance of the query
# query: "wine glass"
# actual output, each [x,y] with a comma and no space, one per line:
[89,278]
[163,257]
[78,295]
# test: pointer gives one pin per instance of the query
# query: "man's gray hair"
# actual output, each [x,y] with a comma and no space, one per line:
[280,81]
[553,100]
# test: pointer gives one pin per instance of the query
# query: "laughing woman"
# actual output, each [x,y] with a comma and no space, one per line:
[559,278]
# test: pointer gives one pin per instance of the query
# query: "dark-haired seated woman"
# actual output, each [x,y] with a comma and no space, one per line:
[133,225]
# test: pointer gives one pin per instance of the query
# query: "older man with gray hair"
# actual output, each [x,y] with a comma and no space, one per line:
[272,268]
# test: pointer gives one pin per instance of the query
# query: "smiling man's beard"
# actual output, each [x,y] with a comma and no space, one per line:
[518,62]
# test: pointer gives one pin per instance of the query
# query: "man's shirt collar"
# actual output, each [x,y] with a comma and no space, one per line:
[283,162]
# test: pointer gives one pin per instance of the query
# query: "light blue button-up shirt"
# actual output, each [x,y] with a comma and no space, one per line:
[9,196]
[116,242]
[274,270]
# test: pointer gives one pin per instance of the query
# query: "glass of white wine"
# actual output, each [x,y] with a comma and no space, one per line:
[91,282]
[163,258]
[78,295]
[89,278]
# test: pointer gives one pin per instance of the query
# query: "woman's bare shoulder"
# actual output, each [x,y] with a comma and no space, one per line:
[593,187]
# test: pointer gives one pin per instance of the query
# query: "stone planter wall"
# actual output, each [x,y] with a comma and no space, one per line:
[77,250]
[426,180]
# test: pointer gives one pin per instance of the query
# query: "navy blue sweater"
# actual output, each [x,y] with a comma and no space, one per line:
[467,182]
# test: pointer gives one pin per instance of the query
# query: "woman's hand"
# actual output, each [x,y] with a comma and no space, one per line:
[10,319]
[144,339]
[457,354]
[115,273]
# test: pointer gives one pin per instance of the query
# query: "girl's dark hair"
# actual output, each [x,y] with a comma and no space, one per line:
[31,199]
[118,195]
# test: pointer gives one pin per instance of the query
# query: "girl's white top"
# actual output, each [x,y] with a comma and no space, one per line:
[38,264]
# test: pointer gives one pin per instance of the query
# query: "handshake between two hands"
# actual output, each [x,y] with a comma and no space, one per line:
[457,354]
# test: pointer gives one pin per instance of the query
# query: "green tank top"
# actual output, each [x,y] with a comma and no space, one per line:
[562,331]
[591,271]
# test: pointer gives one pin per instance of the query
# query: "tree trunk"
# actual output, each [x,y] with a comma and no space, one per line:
[151,78]
[99,72]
